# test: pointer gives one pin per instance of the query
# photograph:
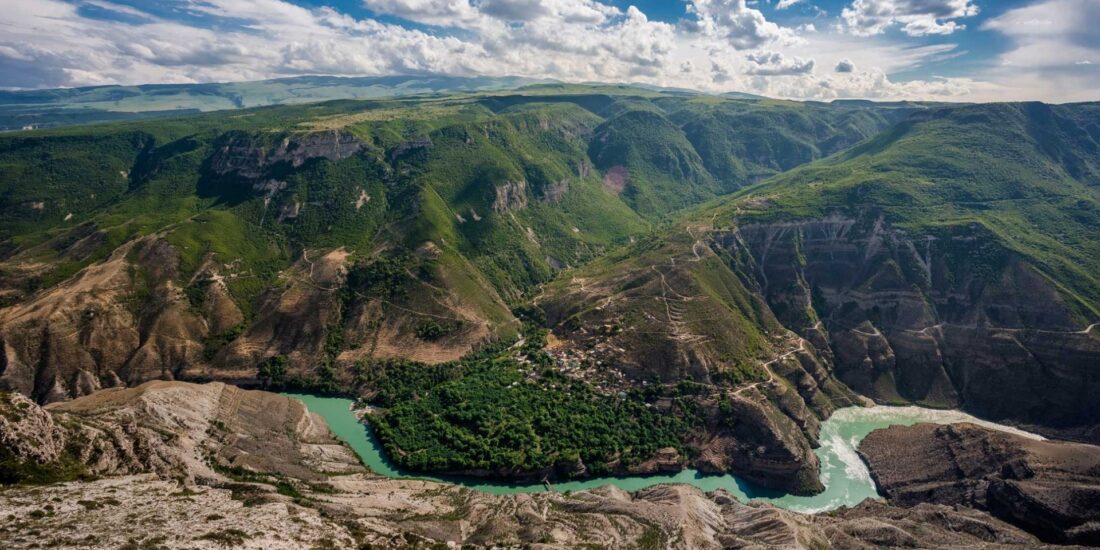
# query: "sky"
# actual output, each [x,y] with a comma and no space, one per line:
[953,50]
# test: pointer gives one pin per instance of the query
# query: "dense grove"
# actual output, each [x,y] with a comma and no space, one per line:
[499,415]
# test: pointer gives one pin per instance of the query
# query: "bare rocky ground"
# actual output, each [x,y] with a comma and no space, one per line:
[1050,488]
[177,465]
[144,511]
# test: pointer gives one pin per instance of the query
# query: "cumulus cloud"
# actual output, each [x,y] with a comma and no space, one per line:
[735,22]
[870,84]
[916,17]
[431,12]
[568,11]
[488,13]
[718,45]
[720,74]
[845,66]
[775,63]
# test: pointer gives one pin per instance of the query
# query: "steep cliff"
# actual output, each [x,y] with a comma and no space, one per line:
[1049,488]
[946,318]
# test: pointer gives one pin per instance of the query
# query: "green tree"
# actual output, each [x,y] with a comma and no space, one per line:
[272,372]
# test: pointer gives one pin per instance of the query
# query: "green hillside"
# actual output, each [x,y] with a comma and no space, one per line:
[1025,175]
[555,176]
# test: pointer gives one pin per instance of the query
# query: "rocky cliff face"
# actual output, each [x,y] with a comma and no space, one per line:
[241,154]
[1051,489]
[946,319]
[255,470]
[760,442]
[28,433]
[510,196]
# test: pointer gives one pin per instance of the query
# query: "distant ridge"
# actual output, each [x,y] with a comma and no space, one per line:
[743,95]
[27,109]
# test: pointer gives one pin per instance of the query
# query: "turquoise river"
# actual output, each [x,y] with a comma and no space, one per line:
[845,476]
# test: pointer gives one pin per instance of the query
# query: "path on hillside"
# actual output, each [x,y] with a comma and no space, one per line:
[772,378]
[674,312]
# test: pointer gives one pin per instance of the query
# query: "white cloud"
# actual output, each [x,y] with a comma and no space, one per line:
[489,14]
[1053,33]
[775,64]
[887,54]
[735,22]
[1054,42]
[720,74]
[567,11]
[432,12]
[721,45]
[916,17]
[870,84]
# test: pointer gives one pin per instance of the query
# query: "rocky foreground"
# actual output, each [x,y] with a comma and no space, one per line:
[1049,488]
[177,465]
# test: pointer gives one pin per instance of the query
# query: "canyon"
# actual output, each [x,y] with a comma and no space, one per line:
[552,283]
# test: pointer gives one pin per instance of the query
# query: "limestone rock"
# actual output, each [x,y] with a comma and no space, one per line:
[27,431]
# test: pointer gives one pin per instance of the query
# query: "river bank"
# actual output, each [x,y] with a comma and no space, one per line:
[846,478]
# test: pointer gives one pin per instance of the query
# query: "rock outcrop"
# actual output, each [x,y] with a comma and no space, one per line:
[28,433]
[758,442]
[1051,489]
[248,156]
[510,196]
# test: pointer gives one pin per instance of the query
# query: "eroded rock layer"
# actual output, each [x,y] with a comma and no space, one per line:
[1049,488]
[920,318]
